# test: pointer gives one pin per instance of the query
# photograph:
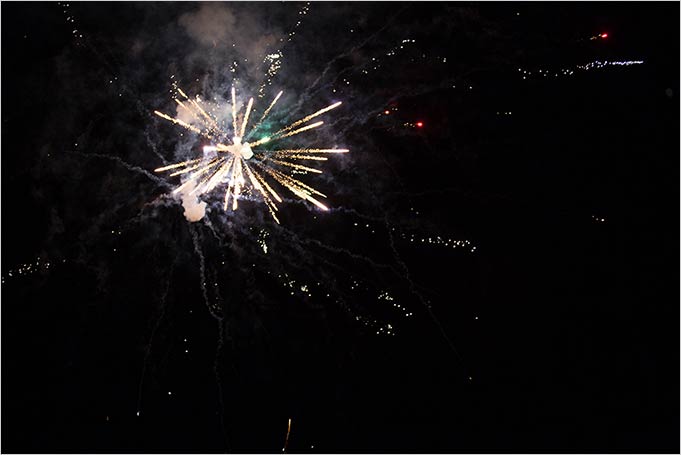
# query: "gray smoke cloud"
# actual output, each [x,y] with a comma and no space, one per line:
[230,30]
[194,209]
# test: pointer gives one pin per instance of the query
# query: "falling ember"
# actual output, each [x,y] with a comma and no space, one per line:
[242,165]
[288,432]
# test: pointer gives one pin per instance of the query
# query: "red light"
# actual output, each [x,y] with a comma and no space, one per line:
[419,124]
[604,35]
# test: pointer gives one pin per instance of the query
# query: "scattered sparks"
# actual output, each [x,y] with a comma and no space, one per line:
[27,269]
[597,64]
[241,165]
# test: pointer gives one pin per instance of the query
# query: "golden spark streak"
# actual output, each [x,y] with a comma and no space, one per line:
[203,182]
[229,187]
[248,112]
[287,434]
[301,157]
[184,95]
[300,130]
[181,187]
[308,118]
[255,183]
[193,177]
[176,165]
[312,151]
[189,169]
[181,123]
[303,195]
[237,175]
[188,110]
[289,134]
[207,121]
[270,205]
[297,166]
[266,185]
[287,181]
[210,119]
[234,109]
[267,111]
[218,176]
[283,179]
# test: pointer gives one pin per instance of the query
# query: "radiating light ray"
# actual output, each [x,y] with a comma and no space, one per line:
[229,191]
[309,117]
[191,111]
[176,165]
[312,151]
[297,166]
[194,176]
[182,124]
[268,202]
[206,179]
[188,169]
[205,114]
[267,111]
[209,120]
[288,181]
[234,169]
[224,170]
[267,186]
[301,157]
[234,109]
[238,179]
[289,134]
[248,112]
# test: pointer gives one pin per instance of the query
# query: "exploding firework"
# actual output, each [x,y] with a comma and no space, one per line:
[238,165]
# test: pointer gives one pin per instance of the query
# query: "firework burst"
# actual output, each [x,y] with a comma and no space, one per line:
[239,166]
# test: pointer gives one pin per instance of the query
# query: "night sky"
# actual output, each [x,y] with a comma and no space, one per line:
[497,271]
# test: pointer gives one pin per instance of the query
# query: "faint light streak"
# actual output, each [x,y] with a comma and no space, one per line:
[597,64]
[288,432]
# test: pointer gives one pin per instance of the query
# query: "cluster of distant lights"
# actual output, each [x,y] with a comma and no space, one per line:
[388,298]
[376,62]
[432,240]
[262,237]
[418,124]
[302,12]
[28,269]
[70,20]
[597,219]
[273,60]
[381,328]
[599,36]
[391,110]
[390,53]
[450,243]
[598,64]
[294,286]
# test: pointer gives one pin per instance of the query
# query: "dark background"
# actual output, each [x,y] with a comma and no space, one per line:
[563,328]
